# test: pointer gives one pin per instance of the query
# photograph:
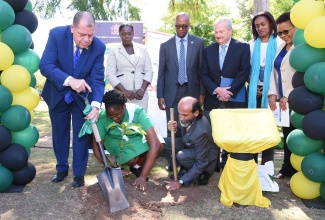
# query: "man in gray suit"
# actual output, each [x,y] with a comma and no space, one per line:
[180,61]
[196,151]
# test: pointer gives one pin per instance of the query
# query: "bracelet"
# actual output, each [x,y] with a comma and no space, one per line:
[142,89]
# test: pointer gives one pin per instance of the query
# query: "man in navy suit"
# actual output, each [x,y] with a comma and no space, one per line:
[228,58]
[72,63]
[169,87]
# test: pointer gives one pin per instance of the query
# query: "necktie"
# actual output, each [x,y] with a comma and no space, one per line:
[68,98]
[76,57]
[181,63]
[222,55]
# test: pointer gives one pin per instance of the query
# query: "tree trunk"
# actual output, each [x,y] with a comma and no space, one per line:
[261,5]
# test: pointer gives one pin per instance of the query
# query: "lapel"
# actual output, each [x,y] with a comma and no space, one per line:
[82,60]
[190,45]
[137,52]
[287,54]
[216,54]
[187,135]
[173,50]
[230,50]
[69,55]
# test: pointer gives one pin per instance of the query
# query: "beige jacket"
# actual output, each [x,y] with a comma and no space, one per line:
[286,74]
[130,70]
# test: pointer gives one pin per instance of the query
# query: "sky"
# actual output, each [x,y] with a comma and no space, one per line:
[151,13]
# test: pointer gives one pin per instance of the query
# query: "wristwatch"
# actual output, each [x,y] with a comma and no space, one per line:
[181,182]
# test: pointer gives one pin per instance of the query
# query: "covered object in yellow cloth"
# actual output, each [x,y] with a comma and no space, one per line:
[243,132]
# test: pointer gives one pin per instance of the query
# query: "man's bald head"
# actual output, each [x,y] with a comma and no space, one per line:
[191,104]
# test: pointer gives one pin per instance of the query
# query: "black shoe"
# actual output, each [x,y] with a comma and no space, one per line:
[169,168]
[204,178]
[137,171]
[181,172]
[59,176]
[78,181]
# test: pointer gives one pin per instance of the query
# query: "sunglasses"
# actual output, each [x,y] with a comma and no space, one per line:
[178,26]
[285,32]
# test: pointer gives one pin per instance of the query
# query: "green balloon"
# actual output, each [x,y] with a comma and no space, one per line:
[16,118]
[17,37]
[303,56]
[6,178]
[301,145]
[7,15]
[27,137]
[29,6]
[33,80]
[298,37]
[313,167]
[28,59]
[314,78]
[296,119]
[5,97]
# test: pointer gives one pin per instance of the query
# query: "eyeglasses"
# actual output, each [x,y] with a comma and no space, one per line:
[116,116]
[285,32]
[178,26]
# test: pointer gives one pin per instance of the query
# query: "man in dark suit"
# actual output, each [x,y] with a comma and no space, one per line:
[72,63]
[228,58]
[179,69]
[196,151]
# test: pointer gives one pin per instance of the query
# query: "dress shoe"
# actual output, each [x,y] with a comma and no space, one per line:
[204,178]
[169,168]
[181,172]
[78,181]
[278,176]
[137,171]
[59,176]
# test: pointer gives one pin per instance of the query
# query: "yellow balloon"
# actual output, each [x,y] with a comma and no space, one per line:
[315,32]
[16,78]
[29,98]
[304,11]
[6,56]
[303,187]
[295,161]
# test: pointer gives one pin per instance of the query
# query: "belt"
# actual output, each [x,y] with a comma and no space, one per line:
[184,84]
[242,156]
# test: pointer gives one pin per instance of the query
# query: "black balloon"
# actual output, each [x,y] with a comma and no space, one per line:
[17,5]
[25,175]
[297,79]
[303,101]
[14,157]
[5,138]
[313,125]
[27,19]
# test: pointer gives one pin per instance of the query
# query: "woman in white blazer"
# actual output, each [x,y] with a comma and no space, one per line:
[280,83]
[129,68]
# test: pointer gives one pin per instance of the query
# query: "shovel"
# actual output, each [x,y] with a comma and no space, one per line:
[111,179]
[173,145]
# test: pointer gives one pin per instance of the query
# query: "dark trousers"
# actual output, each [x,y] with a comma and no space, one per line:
[182,91]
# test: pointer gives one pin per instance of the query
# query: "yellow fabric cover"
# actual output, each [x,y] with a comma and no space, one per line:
[239,183]
[244,130]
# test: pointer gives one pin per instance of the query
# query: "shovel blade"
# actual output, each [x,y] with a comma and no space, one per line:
[112,184]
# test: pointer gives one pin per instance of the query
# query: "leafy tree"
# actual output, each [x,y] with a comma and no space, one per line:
[101,9]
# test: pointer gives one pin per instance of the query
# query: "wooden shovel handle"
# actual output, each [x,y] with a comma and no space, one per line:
[172,133]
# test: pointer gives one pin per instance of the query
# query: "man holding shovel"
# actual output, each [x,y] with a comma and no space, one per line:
[196,152]
[129,135]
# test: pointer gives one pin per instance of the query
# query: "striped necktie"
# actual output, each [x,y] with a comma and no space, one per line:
[181,63]
[222,55]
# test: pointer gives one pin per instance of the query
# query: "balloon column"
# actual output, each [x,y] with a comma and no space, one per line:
[307,100]
[18,98]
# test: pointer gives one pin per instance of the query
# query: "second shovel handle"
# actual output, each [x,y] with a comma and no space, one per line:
[172,133]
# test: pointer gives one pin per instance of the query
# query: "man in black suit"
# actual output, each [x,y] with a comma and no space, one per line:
[196,151]
[179,76]
[227,58]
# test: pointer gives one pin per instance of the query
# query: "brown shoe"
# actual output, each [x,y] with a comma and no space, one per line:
[278,176]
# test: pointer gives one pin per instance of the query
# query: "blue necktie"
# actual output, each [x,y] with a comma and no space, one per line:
[68,98]
[181,63]
[222,55]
